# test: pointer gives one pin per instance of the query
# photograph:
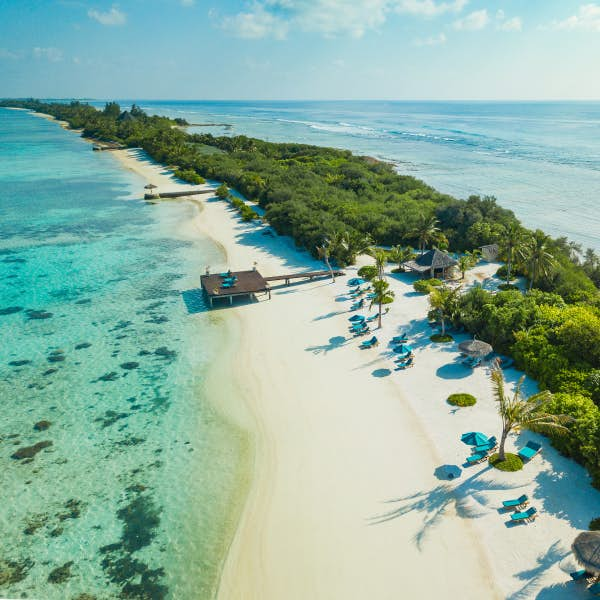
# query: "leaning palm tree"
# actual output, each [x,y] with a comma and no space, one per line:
[537,256]
[400,255]
[444,302]
[512,240]
[425,230]
[381,295]
[518,412]
[324,251]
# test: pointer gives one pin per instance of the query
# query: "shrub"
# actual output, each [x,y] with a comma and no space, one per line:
[511,463]
[595,524]
[222,192]
[189,175]
[424,286]
[502,271]
[439,338]
[368,272]
[461,399]
[504,287]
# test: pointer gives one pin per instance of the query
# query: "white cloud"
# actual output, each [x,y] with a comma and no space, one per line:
[274,18]
[188,2]
[255,24]
[51,54]
[514,24]
[429,8]
[587,18]
[432,41]
[473,21]
[112,17]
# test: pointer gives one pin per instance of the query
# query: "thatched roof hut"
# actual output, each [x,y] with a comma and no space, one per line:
[586,549]
[433,263]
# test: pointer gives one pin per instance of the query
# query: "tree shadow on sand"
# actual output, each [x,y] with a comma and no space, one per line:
[468,499]
[544,561]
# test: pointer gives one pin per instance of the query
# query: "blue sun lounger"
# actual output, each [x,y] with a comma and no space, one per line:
[530,450]
[520,502]
[476,458]
[372,318]
[529,515]
[490,445]
[369,343]
[404,365]
[595,589]
[399,339]
[357,305]
[402,357]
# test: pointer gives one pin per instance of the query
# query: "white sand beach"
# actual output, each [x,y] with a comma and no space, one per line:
[344,500]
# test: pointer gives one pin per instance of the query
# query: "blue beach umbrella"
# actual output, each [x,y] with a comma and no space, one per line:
[403,349]
[474,438]
[355,281]
[356,318]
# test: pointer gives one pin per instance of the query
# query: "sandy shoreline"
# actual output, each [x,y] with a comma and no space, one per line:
[343,501]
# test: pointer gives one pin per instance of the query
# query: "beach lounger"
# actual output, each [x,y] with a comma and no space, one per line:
[476,458]
[371,318]
[529,515]
[530,450]
[228,285]
[402,357]
[357,305]
[369,343]
[404,365]
[399,339]
[356,318]
[595,589]
[520,502]
[581,575]
[371,296]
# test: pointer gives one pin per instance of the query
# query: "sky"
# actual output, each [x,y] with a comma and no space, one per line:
[300,49]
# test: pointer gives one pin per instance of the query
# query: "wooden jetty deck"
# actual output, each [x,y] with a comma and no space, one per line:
[250,283]
[180,194]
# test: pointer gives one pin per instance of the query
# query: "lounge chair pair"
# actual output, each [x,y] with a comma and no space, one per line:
[530,450]
[357,305]
[477,457]
[490,445]
[399,339]
[524,516]
[369,343]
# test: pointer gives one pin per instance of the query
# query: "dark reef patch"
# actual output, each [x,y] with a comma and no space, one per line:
[34,523]
[73,510]
[83,301]
[108,376]
[42,425]
[60,574]
[129,365]
[10,310]
[30,451]
[13,571]
[56,356]
[110,417]
[82,345]
[121,325]
[164,352]
[49,372]
[157,319]
[19,363]
[38,314]
[13,259]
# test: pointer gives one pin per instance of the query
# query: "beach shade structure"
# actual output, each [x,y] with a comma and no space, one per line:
[150,186]
[474,438]
[448,472]
[475,348]
[356,318]
[586,549]
[355,281]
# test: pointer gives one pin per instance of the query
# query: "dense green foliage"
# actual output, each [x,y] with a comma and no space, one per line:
[424,286]
[189,175]
[368,272]
[556,343]
[461,399]
[511,462]
[595,524]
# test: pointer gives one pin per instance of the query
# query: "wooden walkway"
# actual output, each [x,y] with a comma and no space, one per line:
[155,196]
[310,275]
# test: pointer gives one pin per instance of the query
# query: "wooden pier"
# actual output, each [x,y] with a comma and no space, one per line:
[247,284]
[180,194]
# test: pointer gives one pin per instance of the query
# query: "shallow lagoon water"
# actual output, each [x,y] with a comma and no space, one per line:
[130,488]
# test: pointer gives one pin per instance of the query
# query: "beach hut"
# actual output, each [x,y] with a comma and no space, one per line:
[433,263]
[490,252]
[475,348]
[586,549]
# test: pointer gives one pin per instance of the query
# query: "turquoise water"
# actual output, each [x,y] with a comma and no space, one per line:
[540,159]
[131,488]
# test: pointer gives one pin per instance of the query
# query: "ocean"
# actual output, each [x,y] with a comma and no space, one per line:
[120,478]
[540,159]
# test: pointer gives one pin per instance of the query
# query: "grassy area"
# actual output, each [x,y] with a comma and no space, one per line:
[511,462]
[438,337]
[461,400]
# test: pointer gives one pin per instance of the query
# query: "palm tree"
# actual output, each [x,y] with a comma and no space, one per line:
[518,412]
[536,255]
[400,255]
[324,251]
[444,301]
[381,259]
[382,295]
[467,261]
[356,243]
[425,230]
[513,238]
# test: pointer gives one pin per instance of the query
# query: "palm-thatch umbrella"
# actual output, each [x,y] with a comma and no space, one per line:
[475,348]
[586,549]
[150,186]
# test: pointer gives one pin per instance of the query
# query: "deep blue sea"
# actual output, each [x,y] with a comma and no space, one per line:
[118,476]
[540,159]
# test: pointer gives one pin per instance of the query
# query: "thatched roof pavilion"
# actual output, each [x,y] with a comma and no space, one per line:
[433,263]
[586,549]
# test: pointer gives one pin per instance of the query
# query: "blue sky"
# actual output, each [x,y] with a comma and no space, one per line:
[300,49]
